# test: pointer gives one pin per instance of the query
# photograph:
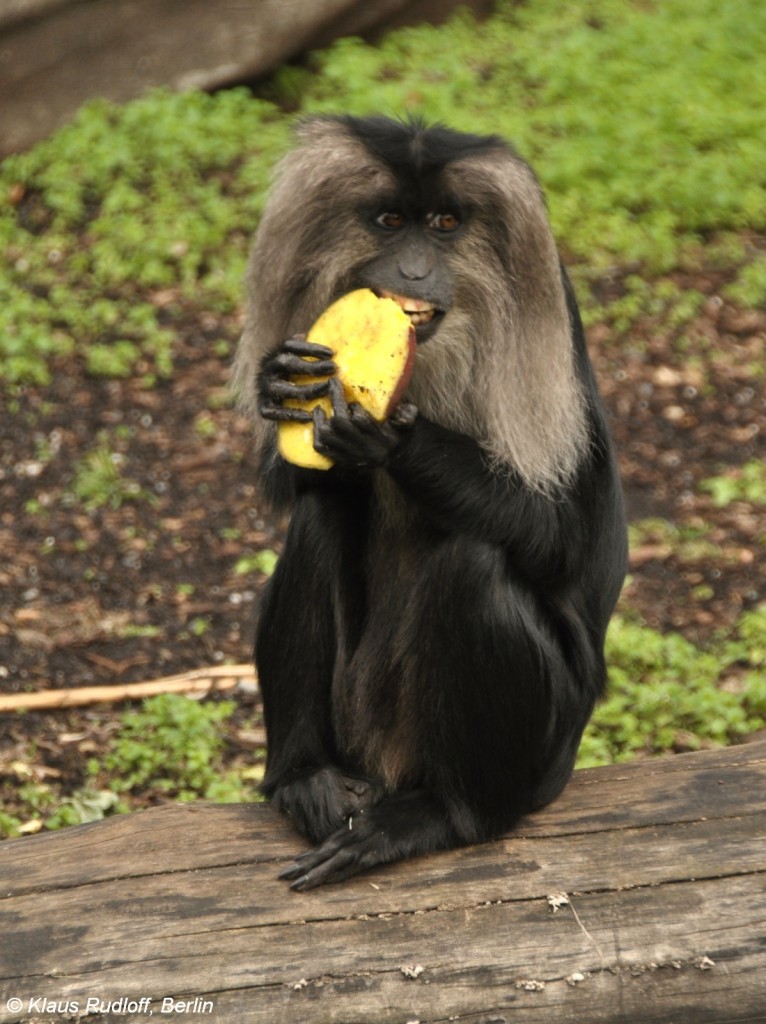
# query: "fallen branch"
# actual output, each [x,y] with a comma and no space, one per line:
[214,679]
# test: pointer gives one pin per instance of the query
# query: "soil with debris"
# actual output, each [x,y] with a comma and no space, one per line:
[154,586]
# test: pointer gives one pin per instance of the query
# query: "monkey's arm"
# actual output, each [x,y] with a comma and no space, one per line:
[574,537]
[449,477]
[447,474]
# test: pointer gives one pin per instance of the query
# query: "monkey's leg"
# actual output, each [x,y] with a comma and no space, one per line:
[490,751]
[296,648]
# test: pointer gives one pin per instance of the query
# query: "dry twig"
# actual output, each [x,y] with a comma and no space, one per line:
[214,679]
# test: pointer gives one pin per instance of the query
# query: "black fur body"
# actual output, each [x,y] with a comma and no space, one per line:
[430,647]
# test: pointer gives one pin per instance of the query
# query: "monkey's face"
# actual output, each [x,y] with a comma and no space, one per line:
[453,227]
[415,213]
[412,266]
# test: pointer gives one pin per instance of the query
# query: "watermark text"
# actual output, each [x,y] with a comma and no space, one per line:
[122,1006]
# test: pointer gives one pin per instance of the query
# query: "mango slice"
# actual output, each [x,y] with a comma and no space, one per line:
[374,349]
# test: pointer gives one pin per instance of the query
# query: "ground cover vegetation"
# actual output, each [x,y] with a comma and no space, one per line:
[135,540]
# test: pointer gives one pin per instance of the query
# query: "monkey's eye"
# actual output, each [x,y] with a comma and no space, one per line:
[390,220]
[443,221]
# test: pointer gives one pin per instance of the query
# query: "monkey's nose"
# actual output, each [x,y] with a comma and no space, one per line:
[415,266]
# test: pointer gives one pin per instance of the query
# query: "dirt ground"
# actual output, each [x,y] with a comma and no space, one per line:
[149,588]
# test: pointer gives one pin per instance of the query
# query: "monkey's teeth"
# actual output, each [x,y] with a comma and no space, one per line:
[418,310]
[416,319]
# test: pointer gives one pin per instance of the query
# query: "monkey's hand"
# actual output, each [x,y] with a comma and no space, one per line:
[295,358]
[352,438]
[318,801]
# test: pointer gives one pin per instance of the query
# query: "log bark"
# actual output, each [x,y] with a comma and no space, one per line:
[663,864]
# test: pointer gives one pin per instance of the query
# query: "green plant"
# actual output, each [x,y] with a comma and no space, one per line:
[230,533]
[745,483]
[132,630]
[264,561]
[117,359]
[172,744]
[664,692]
[749,289]
[689,543]
[749,645]
[661,301]
[119,205]
[10,825]
[581,88]
[85,805]
[99,482]
[37,805]
[131,218]
[205,426]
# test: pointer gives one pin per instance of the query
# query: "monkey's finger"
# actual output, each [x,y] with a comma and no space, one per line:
[282,414]
[338,399]
[291,872]
[333,868]
[328,437]
[306,860]
[303,863]
[320,438]
[362,419]
[284,389]
[300,347]
[288,364]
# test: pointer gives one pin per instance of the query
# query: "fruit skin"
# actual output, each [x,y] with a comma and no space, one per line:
[374,350]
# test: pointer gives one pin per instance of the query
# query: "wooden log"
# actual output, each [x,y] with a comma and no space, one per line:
[177,912]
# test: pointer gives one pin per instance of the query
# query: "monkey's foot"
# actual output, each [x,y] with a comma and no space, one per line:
[320,800]
[401,825]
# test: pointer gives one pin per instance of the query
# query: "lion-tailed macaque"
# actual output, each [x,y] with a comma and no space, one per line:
[430,646]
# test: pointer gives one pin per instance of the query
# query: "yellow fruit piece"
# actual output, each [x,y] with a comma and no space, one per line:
[373,347]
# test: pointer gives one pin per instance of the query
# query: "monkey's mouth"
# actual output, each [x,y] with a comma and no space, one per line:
[420,311]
